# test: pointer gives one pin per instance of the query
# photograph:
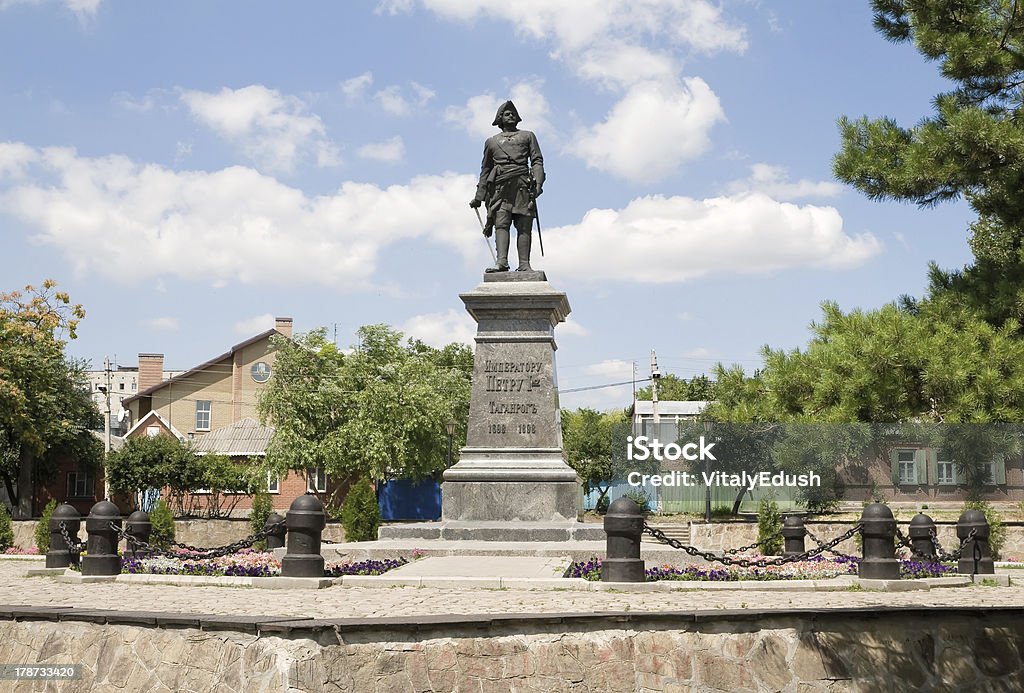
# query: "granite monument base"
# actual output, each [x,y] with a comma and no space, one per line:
[511,482]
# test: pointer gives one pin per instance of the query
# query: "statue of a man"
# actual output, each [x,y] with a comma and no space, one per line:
[511,180]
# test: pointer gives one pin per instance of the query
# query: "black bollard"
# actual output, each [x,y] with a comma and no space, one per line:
[305,522]
[101,550]
[624,524]
[275,540]
[793,533]
[139,528]
[976,557]
[879,539]
[922,528]
[60,554]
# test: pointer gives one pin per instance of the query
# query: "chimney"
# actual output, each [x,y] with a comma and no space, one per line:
[151,370]
[284,326]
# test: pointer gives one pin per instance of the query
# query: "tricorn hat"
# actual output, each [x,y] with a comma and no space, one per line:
[507,106]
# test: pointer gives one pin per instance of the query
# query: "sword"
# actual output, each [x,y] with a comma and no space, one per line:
[480,219]
[536,214]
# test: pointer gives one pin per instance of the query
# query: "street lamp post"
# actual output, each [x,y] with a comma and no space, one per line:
[450,426]
[707,478]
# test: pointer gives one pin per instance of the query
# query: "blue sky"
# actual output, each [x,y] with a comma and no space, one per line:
[189,170]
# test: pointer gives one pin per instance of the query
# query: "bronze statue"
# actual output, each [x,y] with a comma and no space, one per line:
[511,180]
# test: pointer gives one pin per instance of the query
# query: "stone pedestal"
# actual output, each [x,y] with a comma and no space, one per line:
[511,481]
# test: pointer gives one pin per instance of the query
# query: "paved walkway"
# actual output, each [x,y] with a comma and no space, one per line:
[356,602]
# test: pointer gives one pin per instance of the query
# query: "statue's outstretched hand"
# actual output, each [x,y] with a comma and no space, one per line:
[474,203]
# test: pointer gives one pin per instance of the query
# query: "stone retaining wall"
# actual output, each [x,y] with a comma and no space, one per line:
[726,535]
[888,648]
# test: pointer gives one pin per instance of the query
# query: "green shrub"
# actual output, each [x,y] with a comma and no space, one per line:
[996,530]
[769,524]
[163,524]
[360,514]
[262,507]
[602,505]
[6,529]
[639,497]
[43,527]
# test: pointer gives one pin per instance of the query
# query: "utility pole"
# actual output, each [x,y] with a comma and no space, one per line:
[106,430]
[655,377]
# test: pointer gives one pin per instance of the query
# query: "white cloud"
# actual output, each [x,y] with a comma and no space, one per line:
[774,182]
[139,104]
[273,130]
[165,324]
[254,325]
[698,353]
[578,28]
[571,328]
[616,64]
[113,217]
[478,113]
[441,329]
[15,158]
[674,239]
[389,150]
[652,130]
[394,99]
[355,87]
[615,369]
[85,9]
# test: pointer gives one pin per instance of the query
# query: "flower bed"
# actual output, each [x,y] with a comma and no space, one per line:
[246,563]
[18,551]
[816,568]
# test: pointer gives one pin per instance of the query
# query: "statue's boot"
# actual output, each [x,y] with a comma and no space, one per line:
[501,241]
[523,243]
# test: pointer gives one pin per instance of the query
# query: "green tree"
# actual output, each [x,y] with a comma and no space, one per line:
[163,524]
[45,414]
[6,529]
[262,508]
[971,147]
[671,387]
[42,528]
[589,442]
[379,411]
[164,462]
[360,513]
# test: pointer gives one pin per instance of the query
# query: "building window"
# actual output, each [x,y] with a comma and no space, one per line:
[906,468]
[945,471]
[203,409]
[273,483]
[81,485]
[316,480]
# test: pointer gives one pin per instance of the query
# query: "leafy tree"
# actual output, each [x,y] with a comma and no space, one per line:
[769,524]
[360,513]
[45,414]
[6,529]
[159,462]
[164,462]
[42,528]
[671,387]
[589,443]
[163,531]
[379,411]
[262,508]
[972,146]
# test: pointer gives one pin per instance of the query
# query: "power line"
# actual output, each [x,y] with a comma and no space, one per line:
[600,387]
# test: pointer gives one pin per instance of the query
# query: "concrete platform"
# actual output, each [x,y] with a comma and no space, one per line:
[653,554]
[503,532]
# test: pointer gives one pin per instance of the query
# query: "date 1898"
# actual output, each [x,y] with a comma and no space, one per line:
[40,672]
